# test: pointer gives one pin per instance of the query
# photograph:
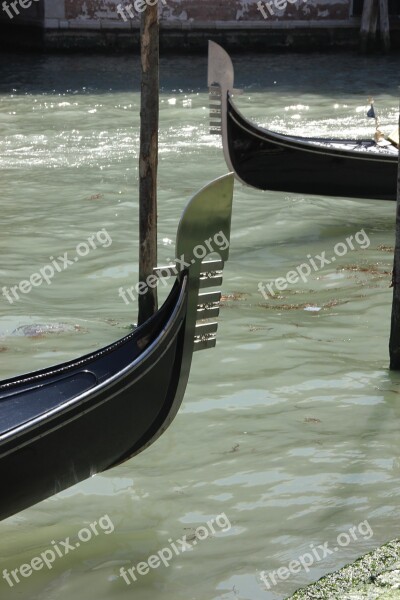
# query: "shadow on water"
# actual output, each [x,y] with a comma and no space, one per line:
[285,73]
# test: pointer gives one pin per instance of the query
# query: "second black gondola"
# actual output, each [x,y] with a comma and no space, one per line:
[267,160]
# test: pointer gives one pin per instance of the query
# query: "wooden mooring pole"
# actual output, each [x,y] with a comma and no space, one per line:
[385,26]
[148,161]
[372,11]
[366,24]
[394,342]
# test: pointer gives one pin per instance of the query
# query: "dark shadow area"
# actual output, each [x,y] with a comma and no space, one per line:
[278,73]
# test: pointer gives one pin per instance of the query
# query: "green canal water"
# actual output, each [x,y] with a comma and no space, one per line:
[290,427]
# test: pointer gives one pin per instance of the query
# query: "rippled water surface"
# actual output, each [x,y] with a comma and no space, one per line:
[290,426]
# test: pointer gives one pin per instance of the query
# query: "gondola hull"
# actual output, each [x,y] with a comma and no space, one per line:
[101,425]
[267,160]
[66,423]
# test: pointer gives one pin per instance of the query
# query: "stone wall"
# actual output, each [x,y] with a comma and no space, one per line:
[191,14]
[195,13]
[186,25]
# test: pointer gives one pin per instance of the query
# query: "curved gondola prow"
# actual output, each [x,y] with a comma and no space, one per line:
[267,160]
[220,84]
[207,215]
[65,423]
[220,68]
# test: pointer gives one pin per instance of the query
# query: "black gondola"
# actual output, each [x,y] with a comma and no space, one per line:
[65,423]
[273,161]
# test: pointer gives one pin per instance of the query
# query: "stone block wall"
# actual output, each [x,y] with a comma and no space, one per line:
[176,14]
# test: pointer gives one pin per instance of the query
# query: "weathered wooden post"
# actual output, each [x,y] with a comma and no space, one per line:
[371,10]
[394,342]
[385,26]
[366,24]
[148,161]
[374,22]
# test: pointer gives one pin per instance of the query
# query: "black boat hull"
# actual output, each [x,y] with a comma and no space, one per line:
[66,423]
[113,424]
[267,160]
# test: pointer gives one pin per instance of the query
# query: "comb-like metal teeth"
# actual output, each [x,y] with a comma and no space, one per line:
[204,344]
[205,329]
[208,305]
[211,273]
[216,128]
[215,95]
[207,267]
[216,264]
[215,103]
[207,312]
[209,298]
[211,280]
[205,335]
